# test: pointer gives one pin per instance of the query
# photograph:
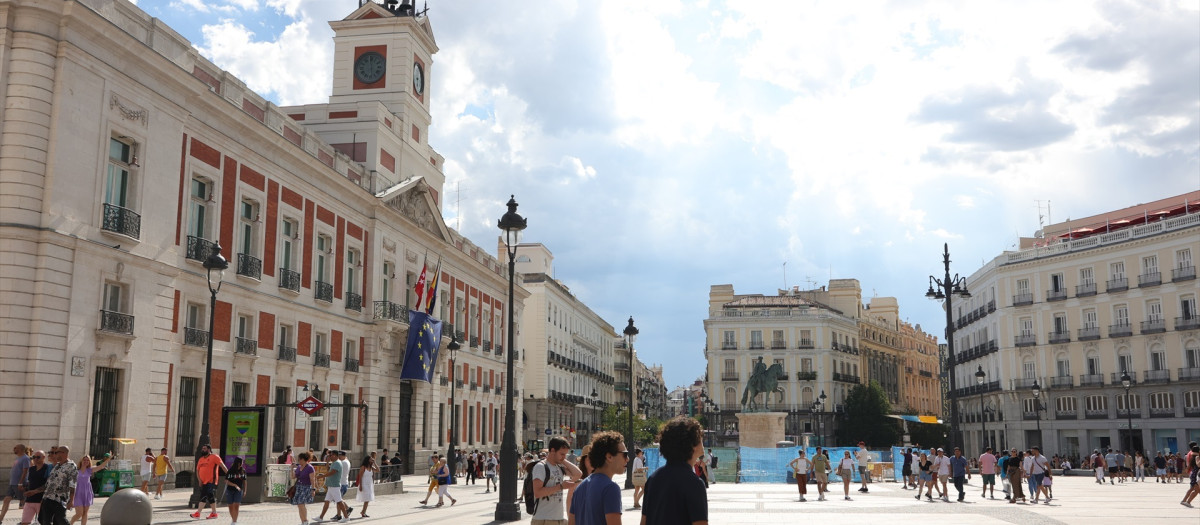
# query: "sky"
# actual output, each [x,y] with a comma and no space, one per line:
[659,147]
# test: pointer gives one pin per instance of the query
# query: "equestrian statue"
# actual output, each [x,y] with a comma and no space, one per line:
[763,380]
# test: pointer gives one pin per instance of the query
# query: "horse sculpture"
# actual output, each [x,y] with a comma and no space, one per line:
[762,382]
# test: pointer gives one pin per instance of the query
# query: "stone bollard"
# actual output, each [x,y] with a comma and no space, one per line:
[127,507]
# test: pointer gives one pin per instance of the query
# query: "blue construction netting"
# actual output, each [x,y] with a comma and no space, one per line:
[898,461]
[770,465]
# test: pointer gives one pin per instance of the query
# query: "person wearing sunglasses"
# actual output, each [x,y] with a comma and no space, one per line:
[35,486]
[597,499]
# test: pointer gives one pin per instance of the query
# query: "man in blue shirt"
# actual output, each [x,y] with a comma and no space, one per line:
[674,494]
[597,499]
[959,471]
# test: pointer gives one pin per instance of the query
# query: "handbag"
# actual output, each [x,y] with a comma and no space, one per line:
[291,492]
[639,477]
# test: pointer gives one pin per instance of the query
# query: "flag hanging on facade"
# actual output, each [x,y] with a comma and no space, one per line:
[420,356]
[420,287]
[431,301]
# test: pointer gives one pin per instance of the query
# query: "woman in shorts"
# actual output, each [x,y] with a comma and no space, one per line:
[303,474]
[846,471]
[235,487]
[925,477]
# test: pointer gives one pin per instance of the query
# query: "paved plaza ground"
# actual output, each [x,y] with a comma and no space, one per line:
[1078,499]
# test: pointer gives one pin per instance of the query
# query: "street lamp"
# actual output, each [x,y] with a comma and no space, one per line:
[508,508]
[595,419]
[947,288]
[820,405]
[452,455]
[216,265]
[1037,410]
[980,375]
[1125,381]
[631,333]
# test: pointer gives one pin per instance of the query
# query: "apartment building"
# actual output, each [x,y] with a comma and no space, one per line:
[652,390]
[1067,316]
[126,157]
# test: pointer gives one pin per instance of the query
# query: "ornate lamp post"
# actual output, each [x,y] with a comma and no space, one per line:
[947,288]
[508,508]
[452,453]
[216,265]
[595,419]
[1037,410]
[631,333]
[819,405]
[1125,382]
[980,375]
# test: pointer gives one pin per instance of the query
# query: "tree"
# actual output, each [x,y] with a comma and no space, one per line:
[866,418]
[645,430]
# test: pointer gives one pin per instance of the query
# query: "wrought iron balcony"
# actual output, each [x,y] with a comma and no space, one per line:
[1149,279]
[845,378]
[443,381]
[321,359]
[351,364]
[1116,378]
[246,346]
[1120,284]
[122,221]
[1066,414]
[1120,330]
[1095,414]
[756,345]
[474,387]
[1091,380]
[1154,326]
[1185,273]
[323,291]
[1191,411]
[195,337]
[116,322]
[805,344]
[1025,339]
[289,280]
[725,376]
[198,249]
[806,376]
[474,341]
[1187,323]
[487,346]
[1062,382]
[1029,416]
[1022,382]
[1129,414]
[1056,295]
[1162,412]
[1158,376]
[249,266]
[353,301]
[1189,374]
[1085,289]
[1023,299]
[728,345]
[1089,333]
[458,383]
[1060,337]
[778,344]
[287,353]
[390,311]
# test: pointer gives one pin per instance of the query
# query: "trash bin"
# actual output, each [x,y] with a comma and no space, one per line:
[113,480]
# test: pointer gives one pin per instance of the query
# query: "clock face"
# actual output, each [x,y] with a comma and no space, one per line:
[418,79]
[369,67]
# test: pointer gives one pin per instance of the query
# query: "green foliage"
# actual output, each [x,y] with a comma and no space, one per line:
[866,418]
[645,431]
[927,435]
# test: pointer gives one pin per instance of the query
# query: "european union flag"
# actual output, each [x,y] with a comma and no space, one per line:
[424,338]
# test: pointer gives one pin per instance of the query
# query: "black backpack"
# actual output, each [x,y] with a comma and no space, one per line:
[531,503]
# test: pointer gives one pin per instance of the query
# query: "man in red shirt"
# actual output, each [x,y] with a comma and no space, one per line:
[207,468]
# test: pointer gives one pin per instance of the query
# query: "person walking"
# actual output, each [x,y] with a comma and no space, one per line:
[1139,467]
[208,468]
[60,489]
[489,472]
[597,500]
[712,466]
[863,457]
[1036,465]
[906,472]
[471,477]
[987,470]
[1098,465]
[639,476]
[366,483]
[17,479]
[235,488]
[846,471]
[302,495]
[443,481]
[800,467]
[1193,467]
[1016,474]
[673,495]
[147,470]
[433,484]
[1002,468]
[553,480]
[162,465]
[84,497]
[960,471]
[942,464]
[820,469]
[333,489]
[35,485]
[344,481]
[925,477]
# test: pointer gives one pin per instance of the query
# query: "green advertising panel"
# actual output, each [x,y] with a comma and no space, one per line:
[243,437]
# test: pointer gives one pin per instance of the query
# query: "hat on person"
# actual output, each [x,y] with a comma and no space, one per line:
[940,450]
[341,452]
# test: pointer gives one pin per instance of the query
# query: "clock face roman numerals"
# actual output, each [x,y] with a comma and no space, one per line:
[369,67]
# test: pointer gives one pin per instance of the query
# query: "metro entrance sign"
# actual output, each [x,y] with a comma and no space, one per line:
[310,405]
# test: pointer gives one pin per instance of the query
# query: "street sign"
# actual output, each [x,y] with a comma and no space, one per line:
[547,432]
[310,405]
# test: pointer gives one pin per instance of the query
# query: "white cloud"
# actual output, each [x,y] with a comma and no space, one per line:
[293,67]
[581,171]
[964,201]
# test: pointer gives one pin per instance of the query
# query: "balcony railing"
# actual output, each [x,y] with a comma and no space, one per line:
[321,359]
[805,344]
[116,322]
[1085,289]
[1149,279]
[1116,378]
[195,337]
[287,353]
[1062,382]
[249,266]
[1089,333]
[123,221]
[1162,412]
[1158,376]
[246,346]
[725,376]
[1187,323]
[1120,330]
[1020,383]
[1025,340]
[323,291]
[289,280]
[351,364]
[1096,414]
[728,345]
[1183,274]
[1060,337]
[390,311]
[756,345]
[1189,374]
[1191,411]
[1130,414]
[778,345]
[1056,295]
[1091,380]
[806,376]
[474,341]
[353,301]
[845,378]
[1120,284]
[1022,299]
[1029,416]
[198,249]
[1066,414]
[1154,326]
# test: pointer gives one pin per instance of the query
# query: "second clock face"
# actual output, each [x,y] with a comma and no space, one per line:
[369,67]
[418,78]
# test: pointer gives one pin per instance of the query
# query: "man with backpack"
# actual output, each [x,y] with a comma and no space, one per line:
[547,482]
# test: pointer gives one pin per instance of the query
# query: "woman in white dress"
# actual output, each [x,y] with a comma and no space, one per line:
[366,483]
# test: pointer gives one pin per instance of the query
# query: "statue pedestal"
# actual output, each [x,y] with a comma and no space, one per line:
[760,429]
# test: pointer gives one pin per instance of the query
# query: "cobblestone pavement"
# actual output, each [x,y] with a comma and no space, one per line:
[1078,500]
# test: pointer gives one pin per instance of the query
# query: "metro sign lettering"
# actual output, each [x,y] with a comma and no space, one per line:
[311,405]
